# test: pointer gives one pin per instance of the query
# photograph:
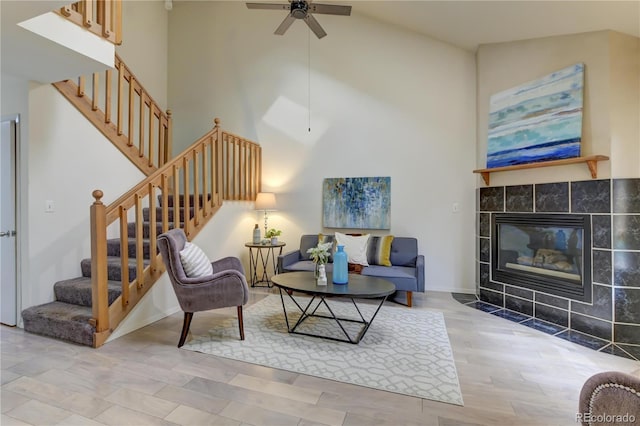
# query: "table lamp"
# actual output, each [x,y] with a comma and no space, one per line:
[266,201]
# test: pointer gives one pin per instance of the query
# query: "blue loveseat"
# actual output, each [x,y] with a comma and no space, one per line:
[406,271]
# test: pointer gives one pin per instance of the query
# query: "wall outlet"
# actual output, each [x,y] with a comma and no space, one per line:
[455,208]
[49,206]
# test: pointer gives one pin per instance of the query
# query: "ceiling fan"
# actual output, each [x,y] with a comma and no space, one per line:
[302,9]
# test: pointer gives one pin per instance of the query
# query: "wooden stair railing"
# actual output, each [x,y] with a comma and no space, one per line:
[101,17]
[134,123]
[219,166]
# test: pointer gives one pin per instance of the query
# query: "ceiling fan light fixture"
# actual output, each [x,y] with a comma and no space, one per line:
[299,9]
[303,9]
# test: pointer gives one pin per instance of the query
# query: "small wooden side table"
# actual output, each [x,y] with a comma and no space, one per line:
[257,254]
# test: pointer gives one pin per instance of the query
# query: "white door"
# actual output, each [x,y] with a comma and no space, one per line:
[8,282]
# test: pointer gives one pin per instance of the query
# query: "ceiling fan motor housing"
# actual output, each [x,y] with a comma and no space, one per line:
[299,9]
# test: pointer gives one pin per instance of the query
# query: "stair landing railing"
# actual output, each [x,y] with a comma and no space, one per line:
[219,166]
[123,110]
[101,17]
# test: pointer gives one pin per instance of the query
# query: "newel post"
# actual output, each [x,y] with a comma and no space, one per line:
[99,292]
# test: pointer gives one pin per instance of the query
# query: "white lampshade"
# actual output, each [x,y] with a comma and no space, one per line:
[266,201]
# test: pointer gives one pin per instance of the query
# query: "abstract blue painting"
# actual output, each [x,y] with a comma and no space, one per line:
[538,121]
[360,203]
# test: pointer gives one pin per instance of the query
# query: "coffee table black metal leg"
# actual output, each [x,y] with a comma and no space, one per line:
[303,311]
[363,331]
[304,315]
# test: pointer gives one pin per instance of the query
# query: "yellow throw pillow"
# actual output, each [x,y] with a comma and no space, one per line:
[380,250]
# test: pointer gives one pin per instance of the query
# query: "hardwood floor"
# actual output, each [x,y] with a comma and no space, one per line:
[509,374]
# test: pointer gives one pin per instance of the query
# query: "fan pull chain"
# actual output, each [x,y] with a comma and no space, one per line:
[309,77]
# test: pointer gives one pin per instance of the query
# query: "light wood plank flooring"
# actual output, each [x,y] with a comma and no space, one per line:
[509,375]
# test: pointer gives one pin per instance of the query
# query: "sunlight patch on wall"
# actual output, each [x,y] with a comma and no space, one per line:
[292,119]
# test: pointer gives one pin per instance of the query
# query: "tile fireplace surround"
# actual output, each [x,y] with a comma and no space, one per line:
[611,323]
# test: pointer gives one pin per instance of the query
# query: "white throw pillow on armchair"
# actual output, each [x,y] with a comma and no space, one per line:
[355,246]
[194,261]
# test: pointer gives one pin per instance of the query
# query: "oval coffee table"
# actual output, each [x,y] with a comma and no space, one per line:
[359,287]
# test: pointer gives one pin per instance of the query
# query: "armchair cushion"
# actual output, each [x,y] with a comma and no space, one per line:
[194,262]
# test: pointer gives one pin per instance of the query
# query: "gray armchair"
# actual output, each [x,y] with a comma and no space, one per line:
[226,287]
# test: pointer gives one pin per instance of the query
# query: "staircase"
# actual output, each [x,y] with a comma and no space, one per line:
[69,317]
[219,166]
[125,262]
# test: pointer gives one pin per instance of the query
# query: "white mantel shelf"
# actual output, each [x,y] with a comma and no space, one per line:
[591,160]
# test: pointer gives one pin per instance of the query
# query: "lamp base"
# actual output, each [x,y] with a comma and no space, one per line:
[265,223]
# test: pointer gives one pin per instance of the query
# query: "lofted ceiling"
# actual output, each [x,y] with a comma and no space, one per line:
[468,24]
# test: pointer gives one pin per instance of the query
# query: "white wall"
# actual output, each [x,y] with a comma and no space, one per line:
[384,102]
[625,105]
[144,46]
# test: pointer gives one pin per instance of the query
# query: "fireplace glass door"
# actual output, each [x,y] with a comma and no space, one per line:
[543,252]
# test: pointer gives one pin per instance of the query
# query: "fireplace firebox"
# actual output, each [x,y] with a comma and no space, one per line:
[543,252]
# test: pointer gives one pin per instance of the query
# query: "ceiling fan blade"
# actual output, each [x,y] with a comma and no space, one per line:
[284,26]
[271,6]
[330,9]
[315,26]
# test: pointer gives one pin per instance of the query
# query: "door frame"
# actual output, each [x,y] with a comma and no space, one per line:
[18,211]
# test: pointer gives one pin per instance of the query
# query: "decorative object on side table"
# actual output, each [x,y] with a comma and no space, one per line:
[320,256]
[273,234]
[256,235]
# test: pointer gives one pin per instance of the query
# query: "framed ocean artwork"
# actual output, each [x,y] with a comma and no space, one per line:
[358,203]
[537,121]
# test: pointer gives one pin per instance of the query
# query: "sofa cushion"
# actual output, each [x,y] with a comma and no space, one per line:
[355,246]
[403,277]
[379,252]
[311,241]
[404,251]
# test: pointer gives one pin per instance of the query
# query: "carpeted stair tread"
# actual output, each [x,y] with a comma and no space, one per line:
[78,291]
[61,321]
[181,198]
[113,268]
[131,229]
[145,214]
[113,247]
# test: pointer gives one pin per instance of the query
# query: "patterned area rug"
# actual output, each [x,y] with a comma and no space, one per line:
[405,350]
